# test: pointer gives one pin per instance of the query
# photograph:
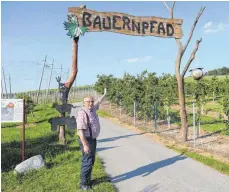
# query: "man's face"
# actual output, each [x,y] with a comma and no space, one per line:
[89,102]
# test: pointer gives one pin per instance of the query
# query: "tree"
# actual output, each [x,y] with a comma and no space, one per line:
[224,90]
[168,84]
[180,75]
[214,88]
[103,81]
[220,71]
[226,100]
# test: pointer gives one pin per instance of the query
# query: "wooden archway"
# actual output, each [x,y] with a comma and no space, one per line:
[81,20]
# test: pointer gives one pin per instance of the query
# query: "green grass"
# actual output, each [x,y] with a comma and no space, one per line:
[173,110]
[213,127]
[208,123]
[214,107]
[103,113]
[8,125]
[209,161]
[62,171]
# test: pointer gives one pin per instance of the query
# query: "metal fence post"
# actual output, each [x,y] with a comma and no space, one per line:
[155,115]
[168,117]
[194,125]
[134,114]
[120,113]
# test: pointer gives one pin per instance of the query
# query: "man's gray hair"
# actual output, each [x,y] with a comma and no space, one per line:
[88,97]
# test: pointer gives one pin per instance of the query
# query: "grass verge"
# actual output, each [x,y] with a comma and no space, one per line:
[209,161]
[62,171]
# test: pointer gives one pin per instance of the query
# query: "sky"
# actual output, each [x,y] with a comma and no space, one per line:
[32,30]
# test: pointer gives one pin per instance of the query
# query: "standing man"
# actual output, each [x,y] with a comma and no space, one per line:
[88,129]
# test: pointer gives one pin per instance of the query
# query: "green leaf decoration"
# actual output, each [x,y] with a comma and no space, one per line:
[73,28]
[84,29]
[70,27]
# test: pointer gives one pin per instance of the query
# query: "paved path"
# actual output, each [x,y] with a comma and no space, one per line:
[135,163]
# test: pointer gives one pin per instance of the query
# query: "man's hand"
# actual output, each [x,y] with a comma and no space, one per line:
[86,149]
[101,98]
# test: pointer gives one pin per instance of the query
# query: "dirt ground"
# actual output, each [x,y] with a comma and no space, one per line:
[208,144]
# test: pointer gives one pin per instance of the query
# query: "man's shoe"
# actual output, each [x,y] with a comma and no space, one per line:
[85,187]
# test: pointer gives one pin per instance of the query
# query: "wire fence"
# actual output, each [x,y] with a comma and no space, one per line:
[170,127]
[150,124]
[75,94]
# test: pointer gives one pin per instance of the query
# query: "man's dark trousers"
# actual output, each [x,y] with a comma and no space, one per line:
[88,160]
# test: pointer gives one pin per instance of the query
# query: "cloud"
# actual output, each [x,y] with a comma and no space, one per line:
[207,25]
[138,59]
[210,28]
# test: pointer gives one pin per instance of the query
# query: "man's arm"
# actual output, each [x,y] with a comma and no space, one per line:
[81,126]
[83,140]
[100,100]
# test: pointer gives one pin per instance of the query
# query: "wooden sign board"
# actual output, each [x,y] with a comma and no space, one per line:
[127,24]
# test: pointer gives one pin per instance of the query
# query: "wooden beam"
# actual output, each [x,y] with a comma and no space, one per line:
[127,24]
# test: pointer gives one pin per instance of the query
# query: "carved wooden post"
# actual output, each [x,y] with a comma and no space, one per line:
[74,31]
[65,87]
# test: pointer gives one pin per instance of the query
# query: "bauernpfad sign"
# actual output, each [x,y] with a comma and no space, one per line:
[127,24]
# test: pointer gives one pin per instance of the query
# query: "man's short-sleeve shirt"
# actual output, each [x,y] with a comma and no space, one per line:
[82,122]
